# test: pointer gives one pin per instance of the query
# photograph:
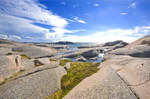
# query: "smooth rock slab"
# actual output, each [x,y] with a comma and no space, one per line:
[105,84]
[136,51]
[37,84]
[134,71]
[34,51]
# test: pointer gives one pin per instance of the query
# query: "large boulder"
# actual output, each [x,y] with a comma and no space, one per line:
[9,65]
[90,53]
[38,83]
[34,51]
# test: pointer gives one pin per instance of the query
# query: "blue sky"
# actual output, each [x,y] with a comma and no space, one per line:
[74,20]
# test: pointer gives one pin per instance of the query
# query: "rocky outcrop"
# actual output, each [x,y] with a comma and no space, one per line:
[38,83]
[106,84]
[139,48]
[124,75]
[120,77]
[9,65]
[115,43]
[143,41]
[136,51]
[34,51]
[90,53]
[5,51]
[134,71]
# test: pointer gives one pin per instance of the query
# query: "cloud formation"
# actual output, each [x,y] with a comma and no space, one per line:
[96,4]
[123,13]
[127,35]
[132,5]
[79,20]
[19,17]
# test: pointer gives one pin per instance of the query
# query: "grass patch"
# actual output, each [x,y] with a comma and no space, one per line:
[78,54]
[77,72]
[52,60]
[25,56]
[63,62]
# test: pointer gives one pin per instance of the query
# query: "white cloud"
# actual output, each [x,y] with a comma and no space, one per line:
[127,35]
[132,5]
[2,36]
[10,37]
[79,20]
[96,4]
[123,13]
[14,37]
[19,17]
[63,3]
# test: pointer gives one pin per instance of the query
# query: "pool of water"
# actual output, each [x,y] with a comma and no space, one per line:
[73,47]
[98,59]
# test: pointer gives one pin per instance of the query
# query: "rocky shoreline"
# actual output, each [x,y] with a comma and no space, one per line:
[33,71]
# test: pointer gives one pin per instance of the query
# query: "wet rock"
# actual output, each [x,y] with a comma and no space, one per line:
[90,53]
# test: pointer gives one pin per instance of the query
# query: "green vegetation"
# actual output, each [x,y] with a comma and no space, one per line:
[23,56]
[77,72]
[63,62]
[52,60]
[78,54]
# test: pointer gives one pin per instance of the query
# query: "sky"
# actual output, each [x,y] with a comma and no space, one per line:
[74,20]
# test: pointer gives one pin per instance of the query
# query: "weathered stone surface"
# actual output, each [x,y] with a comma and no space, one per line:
[44,60]
[5,51]
[36,84]
[136,51]
[28,64]
[9,65]
[142,41]
[105,84]
[115,43]
[34,51]
[134,71]
[90,53]
[67,66]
